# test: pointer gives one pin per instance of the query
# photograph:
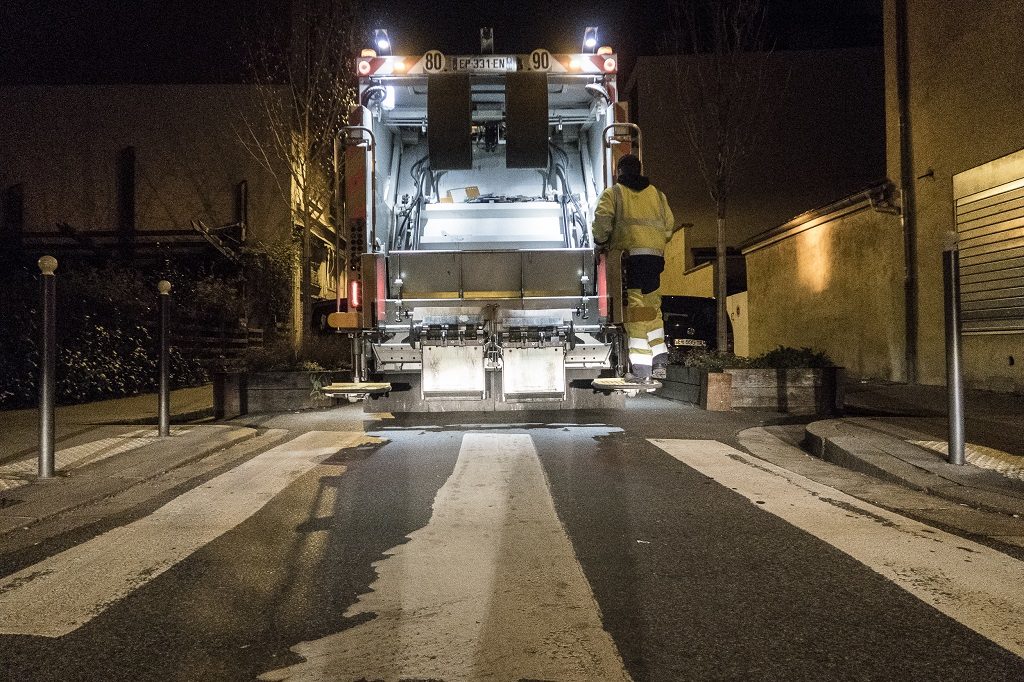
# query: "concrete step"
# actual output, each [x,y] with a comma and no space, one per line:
[884,452]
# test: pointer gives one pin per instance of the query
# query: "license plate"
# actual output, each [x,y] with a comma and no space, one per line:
[688,342]
[484,64]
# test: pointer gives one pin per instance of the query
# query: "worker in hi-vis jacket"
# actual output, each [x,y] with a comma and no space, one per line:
[633,216]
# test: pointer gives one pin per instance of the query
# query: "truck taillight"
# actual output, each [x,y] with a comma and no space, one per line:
[382,289]
[609,64]
[355,294]
[364,67]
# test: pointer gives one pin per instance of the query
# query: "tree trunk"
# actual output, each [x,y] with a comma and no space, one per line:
[722,314]
[305,288]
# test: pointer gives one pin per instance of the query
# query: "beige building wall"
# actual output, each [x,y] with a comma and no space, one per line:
[675,263]
[965,83]
[833,285]
[697,281]
[61,143]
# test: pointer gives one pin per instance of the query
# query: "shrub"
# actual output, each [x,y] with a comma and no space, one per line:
[276,356]
[785,357]
[106,347]
[782,357]
[714,361]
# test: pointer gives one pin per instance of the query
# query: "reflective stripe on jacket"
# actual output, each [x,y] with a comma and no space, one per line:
[633,220]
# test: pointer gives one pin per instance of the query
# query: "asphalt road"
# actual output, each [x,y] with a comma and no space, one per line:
[533,546]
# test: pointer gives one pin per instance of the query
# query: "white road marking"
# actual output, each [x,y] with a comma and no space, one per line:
[60,594]
[973,584]
[489,589]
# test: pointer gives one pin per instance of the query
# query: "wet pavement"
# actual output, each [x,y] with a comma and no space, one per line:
[660,542]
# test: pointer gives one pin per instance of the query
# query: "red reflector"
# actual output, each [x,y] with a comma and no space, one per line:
[355,295]
[602,285]
[382,288]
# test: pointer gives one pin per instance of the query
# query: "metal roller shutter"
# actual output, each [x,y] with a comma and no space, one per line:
[990,230]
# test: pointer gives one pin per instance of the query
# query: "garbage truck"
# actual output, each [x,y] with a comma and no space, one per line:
[472,278]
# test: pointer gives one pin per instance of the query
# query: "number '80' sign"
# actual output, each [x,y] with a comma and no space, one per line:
[433,62]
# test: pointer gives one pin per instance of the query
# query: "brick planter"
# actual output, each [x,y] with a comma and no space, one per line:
[710,390]
[794,391]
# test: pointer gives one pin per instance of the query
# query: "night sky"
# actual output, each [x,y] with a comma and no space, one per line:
[142,41]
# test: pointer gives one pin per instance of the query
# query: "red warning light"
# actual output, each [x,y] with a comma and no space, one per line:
[355,294]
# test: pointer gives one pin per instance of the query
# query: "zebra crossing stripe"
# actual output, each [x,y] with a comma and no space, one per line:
[61,593]
[973,584]
[489,589]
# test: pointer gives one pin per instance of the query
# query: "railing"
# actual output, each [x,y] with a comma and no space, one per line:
[211,343]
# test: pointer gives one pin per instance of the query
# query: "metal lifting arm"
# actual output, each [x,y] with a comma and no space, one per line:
[371,146]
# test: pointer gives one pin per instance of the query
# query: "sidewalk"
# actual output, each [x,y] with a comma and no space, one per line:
[20,434]
[111,461]
[995,420]
[898,433]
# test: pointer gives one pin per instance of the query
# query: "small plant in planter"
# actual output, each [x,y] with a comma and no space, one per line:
[318,378]
[784,357]
[277,356]
[714,361]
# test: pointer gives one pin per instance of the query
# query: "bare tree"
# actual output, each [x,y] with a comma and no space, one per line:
[727,97]
[302,90]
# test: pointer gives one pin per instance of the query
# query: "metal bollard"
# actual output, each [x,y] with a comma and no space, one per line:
[47,360]
[954,380]
[164,287]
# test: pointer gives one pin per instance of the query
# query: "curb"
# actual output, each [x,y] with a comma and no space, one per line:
[885,453]
[180,418]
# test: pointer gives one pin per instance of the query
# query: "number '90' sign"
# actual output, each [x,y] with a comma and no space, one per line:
[540,60]
[433,62]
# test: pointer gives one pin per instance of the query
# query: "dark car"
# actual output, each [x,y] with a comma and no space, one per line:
[689,323]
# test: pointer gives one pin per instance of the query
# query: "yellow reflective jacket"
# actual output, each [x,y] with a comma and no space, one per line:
[627,219]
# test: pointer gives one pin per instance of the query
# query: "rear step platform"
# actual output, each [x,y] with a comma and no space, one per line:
[630,388]
[356,389]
